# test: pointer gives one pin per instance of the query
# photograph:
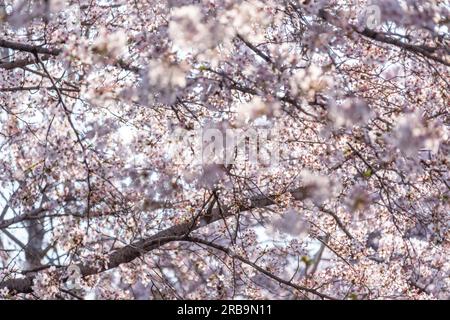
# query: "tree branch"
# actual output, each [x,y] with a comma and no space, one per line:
[132,251]
[29,48]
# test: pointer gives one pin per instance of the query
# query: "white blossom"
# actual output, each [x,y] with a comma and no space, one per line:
[111,44]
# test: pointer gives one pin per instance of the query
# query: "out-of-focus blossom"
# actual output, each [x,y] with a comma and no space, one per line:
[110,44]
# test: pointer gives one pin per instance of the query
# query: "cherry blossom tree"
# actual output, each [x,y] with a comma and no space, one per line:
[106,191]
